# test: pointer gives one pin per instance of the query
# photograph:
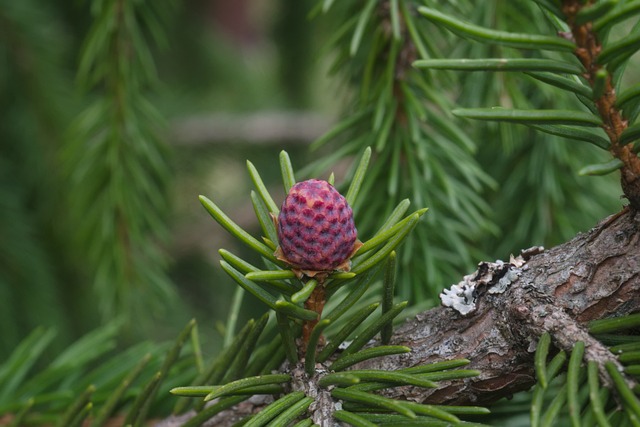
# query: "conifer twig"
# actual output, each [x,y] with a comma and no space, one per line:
[589,51]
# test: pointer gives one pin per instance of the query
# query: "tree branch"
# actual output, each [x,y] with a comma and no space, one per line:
[594,276]
[262,127]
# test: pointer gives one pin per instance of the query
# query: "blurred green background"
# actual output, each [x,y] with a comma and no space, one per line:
[233,80]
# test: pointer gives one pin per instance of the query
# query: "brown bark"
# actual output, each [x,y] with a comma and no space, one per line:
[594,276]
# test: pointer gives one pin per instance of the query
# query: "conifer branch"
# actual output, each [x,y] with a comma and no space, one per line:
[118,164]
[589,51]
[560,291]
[403,114]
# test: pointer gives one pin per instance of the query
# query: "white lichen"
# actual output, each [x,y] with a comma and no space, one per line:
[494,277]
[504,282]
[461,297]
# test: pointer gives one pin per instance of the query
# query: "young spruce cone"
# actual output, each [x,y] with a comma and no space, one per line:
[316,231]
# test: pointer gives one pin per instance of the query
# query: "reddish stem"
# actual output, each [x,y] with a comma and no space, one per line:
[588,48]
[315,303]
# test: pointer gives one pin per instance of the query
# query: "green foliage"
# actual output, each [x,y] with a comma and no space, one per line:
[541,198]
[35,101]
[417,152]
[570,391]
[348,385]
[286,291]
[117,161]
[45,271]
[64,389]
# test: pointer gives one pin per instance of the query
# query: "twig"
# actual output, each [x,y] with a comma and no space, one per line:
[588,48]
[264,127]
